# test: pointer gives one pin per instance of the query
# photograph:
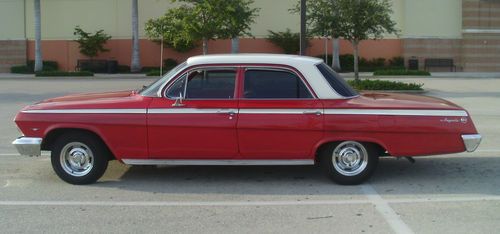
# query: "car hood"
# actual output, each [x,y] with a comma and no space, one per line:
[380,100]
[89,96]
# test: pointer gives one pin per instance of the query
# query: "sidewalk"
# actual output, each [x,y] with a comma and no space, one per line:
[462,75]
[96,76]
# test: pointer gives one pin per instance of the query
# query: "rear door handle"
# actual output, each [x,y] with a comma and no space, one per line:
[313,112]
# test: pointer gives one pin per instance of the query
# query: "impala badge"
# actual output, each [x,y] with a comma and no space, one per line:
[461,120]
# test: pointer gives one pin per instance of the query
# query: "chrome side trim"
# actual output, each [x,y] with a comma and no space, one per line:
[471,141]
[88,111]
[229,162]
[280,111]
[455,113]
[191,111]
[458,113]
[29,146]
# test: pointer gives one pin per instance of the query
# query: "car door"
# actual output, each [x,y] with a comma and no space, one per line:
[196,117]
[279,116]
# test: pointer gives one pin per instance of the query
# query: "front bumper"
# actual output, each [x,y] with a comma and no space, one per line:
[471,141]
[30,146]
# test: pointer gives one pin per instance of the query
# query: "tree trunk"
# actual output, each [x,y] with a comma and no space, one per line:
[205,46]
[235,45]
[135,66]
[356,54]
[336,54]
[38,37]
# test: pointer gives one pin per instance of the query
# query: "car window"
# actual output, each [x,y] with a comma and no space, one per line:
[274,84]
[336,81]
[204,84]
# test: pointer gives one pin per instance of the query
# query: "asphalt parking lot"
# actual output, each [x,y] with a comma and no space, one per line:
[441,194]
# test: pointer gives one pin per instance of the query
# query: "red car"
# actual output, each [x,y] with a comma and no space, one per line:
[242,110]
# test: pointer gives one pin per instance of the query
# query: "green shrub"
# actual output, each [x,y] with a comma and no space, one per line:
[30,67]
[153,73]
[148,69]
[23,69]
[90,44]
[383,85]
[397,62]
[288,41]
[400,72]
[168,64]
[47,65]
[123,69]
[365,65]
[63,73]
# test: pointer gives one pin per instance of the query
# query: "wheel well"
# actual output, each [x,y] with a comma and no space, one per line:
[378,148]
[51,137]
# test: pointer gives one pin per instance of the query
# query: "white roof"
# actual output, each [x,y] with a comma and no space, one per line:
[305,65]
[292,60]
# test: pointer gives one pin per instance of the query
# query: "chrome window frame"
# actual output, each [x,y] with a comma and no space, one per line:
[190,69]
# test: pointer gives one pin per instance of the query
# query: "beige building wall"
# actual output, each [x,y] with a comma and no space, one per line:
[432,19]
[12,20]
[59,17]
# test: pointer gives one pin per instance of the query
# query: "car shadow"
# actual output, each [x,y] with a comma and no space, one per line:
[429,175]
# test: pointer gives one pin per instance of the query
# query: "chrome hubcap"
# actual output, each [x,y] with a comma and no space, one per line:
[76,159]
[350,158]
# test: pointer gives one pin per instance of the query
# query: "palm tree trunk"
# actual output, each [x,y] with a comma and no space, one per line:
[205,46]
[336,54]
[356,54]
[38,37]
[235,45]
[135,66]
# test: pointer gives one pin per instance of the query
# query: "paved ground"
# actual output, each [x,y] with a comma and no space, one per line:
[444,194]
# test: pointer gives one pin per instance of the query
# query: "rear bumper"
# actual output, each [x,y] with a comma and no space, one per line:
[471,141]
[30,146]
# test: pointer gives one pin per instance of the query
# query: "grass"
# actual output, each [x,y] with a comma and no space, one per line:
[383,85]
[400,72]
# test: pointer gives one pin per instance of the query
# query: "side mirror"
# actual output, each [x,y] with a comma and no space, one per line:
[178,101]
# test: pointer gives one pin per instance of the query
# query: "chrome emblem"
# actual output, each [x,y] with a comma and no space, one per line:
[461,120]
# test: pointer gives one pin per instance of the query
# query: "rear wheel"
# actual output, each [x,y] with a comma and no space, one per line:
[349,162]
[79,158]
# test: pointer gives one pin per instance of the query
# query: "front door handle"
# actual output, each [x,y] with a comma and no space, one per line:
[313,112]
[226,111]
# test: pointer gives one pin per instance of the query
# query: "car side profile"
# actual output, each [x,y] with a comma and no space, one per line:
[247,109]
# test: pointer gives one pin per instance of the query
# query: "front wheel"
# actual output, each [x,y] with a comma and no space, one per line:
[349,162]
[79,158]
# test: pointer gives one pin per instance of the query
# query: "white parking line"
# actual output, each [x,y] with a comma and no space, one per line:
[249,203]
[382,206]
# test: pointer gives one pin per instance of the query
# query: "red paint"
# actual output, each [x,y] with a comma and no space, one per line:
[250,136]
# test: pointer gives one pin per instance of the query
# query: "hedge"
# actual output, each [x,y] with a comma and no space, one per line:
[63,73]
[366,65]
[401,72]
[29,68]
[367,84]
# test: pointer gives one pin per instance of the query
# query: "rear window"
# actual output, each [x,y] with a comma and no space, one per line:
[336,81]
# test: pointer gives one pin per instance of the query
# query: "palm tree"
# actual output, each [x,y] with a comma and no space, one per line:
[38,38]
[135,66]
[336,54]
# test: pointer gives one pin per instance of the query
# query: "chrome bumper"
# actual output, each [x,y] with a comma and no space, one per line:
[471,141]
[29,146]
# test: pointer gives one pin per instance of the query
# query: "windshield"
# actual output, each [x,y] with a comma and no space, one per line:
[336,81]
[152,89]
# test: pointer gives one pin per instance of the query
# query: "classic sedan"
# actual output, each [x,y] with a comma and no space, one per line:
[255,109]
